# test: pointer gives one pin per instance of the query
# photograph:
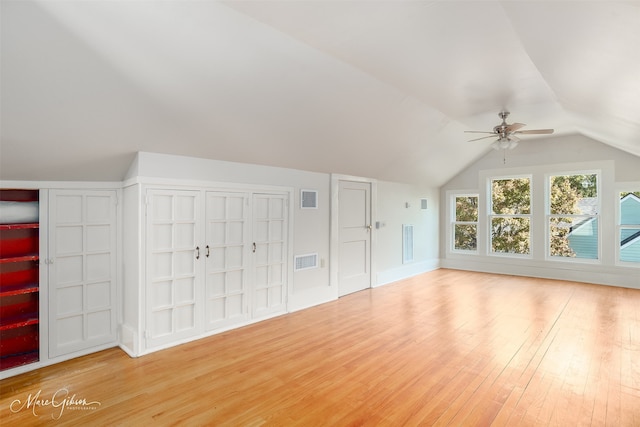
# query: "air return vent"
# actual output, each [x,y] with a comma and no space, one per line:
[407,243]
[304,262]
[308,199]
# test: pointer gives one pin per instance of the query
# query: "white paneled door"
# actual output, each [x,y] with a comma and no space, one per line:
[172,254]
[82,269]
[227,259]
[354,224]
[270,223]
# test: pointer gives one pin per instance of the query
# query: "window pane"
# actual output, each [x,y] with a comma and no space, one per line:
[574,195]
[630,245]
[559,229]
[511,196]
[630,208]
[465,237]
[630,233]
[510,235]
[574,237]
[467,208]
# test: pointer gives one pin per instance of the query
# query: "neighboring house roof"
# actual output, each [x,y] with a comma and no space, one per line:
[631,239]
[630,196]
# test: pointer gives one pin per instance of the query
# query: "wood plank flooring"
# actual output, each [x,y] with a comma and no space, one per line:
[447,348]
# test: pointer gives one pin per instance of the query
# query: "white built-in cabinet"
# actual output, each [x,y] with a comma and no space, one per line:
[81,266]
[77,274]
[212,260]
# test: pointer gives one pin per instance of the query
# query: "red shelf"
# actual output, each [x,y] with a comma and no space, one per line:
[19,321]
[20,289]
[19,360]
[19,195]
[19,226]
[19,259]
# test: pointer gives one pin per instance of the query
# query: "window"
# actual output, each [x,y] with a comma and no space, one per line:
[510,216]
[629,227]
[465,223]
[572,216]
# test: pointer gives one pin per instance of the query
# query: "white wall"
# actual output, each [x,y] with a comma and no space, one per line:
[538,158]
[392,213]
[311,232]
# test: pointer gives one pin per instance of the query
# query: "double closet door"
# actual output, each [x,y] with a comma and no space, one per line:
[214,260]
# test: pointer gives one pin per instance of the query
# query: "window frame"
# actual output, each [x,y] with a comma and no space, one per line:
[597,216]
[453,196]
[630,188]
[491,215]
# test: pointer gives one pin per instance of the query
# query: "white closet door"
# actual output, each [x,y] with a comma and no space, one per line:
[172,257]
[227,256]
[82,269]
[270,223]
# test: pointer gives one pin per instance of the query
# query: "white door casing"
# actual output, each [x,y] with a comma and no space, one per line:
[354,236]
[173,255]
[82,267]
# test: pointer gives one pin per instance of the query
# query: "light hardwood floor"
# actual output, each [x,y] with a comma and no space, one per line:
[444,348]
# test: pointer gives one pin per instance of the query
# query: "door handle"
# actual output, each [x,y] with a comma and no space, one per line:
[254,247]
[197,252]
[207,254]
[368,227]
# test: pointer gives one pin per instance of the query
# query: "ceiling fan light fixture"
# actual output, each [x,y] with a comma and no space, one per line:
[506,133]
[503,144]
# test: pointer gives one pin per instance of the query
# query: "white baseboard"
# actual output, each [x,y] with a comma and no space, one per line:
[625,277]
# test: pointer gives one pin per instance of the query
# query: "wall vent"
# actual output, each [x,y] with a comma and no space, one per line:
[423,204]
[304,262]
[308,199]
[407,243]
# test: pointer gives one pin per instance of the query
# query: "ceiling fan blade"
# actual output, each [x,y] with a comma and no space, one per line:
[535,131]
[478,131]
[484,137]
[515,126]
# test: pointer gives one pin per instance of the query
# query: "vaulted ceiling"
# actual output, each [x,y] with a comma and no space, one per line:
[382,89]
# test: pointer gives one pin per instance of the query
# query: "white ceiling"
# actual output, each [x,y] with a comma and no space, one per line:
[381,89]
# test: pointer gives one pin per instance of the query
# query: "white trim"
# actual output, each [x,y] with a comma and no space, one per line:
[450,219]
[627,277]
[548,215]
[75,185]
[490,215]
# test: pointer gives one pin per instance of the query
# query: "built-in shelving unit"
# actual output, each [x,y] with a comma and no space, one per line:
[19,278]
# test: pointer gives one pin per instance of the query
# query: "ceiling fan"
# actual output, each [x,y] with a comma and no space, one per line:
[506,133]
